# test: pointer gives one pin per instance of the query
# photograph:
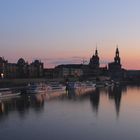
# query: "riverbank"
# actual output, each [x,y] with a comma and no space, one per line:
[18,82]
[22,82]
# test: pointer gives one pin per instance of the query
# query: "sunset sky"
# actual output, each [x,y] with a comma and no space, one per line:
[67,31]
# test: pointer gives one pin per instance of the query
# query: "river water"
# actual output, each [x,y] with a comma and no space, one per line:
[106,113]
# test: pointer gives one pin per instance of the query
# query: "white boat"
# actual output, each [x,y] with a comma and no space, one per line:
[100,84]
[36,88]
[56,88]
[90,85]
[87,87]
[109,84]
[81,87]
[8,93]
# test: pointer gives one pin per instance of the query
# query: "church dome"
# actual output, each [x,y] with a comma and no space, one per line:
[21,61]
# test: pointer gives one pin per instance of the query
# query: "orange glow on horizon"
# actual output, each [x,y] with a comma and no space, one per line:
[129,55]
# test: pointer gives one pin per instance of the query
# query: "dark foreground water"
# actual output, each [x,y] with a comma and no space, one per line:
[108,113]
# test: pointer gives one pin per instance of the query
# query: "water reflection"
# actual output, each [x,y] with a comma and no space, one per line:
[71,93]
[71,116]
[94,99]
[36,102]
[116,94]
[112,93]
[21,105]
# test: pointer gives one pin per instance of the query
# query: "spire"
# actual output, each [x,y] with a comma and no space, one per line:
[94,61]
[117,57]
[96,51]
[117,51]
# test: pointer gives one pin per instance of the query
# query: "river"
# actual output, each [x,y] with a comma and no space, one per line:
[106,113]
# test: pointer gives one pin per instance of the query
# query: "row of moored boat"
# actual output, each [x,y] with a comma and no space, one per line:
[52,88]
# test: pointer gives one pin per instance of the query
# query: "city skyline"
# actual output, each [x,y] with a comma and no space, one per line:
[60,32]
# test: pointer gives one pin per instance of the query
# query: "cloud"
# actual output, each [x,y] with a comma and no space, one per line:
[52,62]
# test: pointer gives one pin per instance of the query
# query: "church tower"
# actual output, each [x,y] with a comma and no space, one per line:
[117,59]
[94,61]
[114,68]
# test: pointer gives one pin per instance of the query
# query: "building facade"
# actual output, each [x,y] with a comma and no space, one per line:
[93,66]
[114,68]
[92,70]
[21,69]
[70,70]
[3,65]
[36,69]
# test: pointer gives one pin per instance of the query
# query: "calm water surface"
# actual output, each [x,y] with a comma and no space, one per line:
[108,113]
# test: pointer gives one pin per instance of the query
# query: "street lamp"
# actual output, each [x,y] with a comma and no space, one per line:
[2,75]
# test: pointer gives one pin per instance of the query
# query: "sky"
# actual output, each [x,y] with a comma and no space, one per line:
[68,31]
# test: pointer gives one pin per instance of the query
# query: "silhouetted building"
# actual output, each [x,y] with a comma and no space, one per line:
[94,61]
[104,71]
[7,70]
[93,67]
[11,70]
[21,69]
[49,73]
[3,64]
[70,70]
[115,70]
[132,75]
[36,69]
[91,71]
